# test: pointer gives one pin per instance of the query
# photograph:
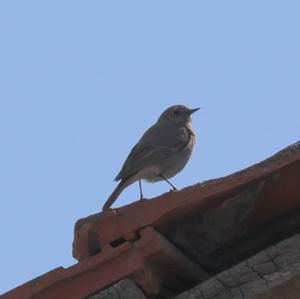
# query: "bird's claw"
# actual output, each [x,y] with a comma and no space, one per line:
[115,211]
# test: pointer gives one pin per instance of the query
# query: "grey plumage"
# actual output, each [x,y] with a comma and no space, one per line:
[161,153]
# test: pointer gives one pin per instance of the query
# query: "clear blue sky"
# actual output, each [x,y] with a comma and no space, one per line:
[80,81]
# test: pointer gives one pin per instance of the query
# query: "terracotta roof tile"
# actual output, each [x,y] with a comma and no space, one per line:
[171,242]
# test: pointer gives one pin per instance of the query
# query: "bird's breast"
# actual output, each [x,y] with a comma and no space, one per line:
[176,163]
[173,164]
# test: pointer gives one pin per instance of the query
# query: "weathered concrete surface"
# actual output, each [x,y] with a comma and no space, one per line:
[256,275]
[124,289]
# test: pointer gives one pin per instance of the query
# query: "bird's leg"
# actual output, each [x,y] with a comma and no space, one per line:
[141,191]
[166,180]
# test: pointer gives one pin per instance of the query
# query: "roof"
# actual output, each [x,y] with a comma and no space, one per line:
[170,243]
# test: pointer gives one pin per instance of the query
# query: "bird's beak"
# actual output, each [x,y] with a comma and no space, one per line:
[191,111]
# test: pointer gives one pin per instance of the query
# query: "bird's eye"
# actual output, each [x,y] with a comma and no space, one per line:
[175,113]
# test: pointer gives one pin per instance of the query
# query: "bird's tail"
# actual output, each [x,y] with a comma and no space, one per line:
[112,198]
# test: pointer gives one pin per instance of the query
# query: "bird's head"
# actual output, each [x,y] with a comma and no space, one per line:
[179,114]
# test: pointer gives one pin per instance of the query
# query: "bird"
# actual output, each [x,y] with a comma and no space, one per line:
[161,153]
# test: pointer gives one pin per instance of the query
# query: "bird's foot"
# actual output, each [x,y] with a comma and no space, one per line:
[115,211]
[143,198]
[173,189]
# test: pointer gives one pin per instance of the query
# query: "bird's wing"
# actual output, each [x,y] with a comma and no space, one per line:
[157,144]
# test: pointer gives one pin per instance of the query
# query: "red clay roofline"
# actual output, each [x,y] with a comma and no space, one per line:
[108,227]
[135,223]
[93,274]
